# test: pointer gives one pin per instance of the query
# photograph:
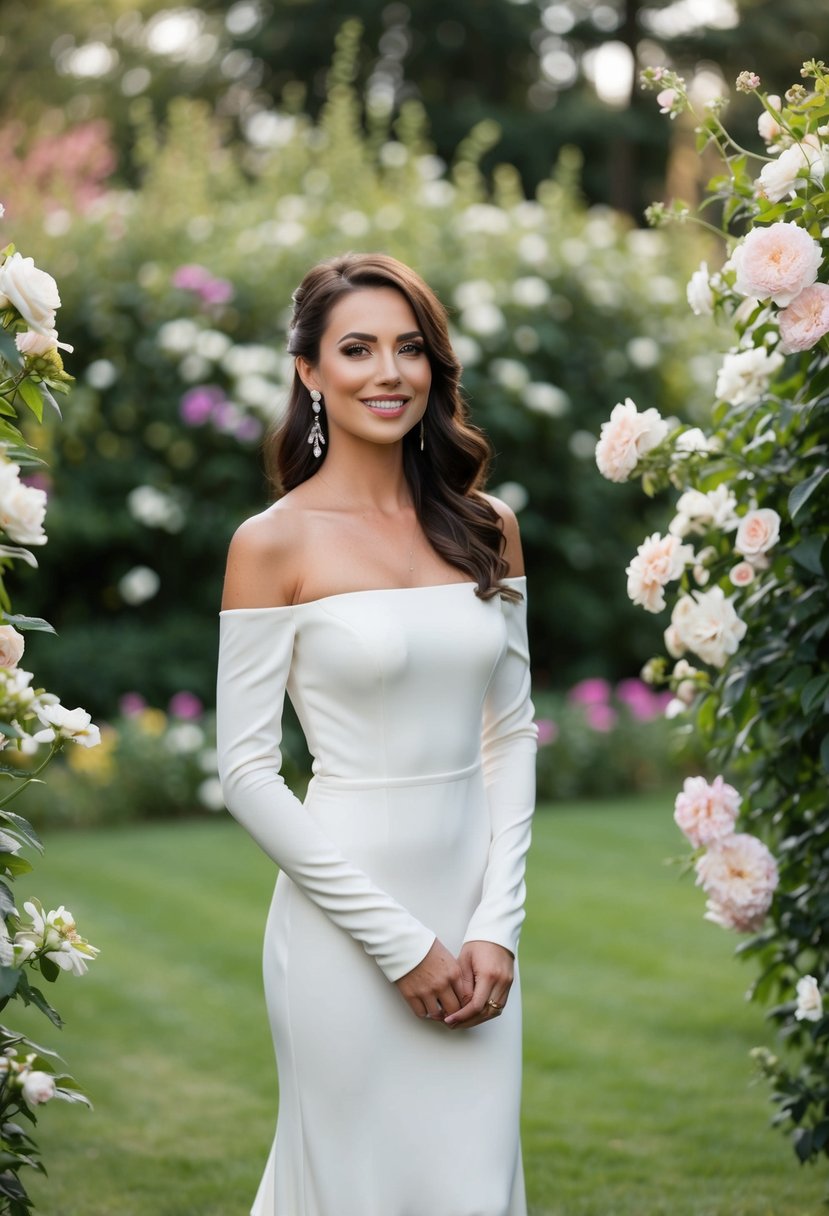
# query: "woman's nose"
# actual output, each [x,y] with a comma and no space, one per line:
[387,372]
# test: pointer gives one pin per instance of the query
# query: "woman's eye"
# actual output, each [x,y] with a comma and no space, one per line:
[413,348]
[356,349]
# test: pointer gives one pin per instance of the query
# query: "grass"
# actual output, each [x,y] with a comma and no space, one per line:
[638,1094]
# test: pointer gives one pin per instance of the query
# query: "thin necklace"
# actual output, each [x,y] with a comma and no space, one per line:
[345,503]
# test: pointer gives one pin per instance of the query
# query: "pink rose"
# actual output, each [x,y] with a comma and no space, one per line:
[12,644]
[547,731]
[592,691]
[601,717]
[806,320]
[739,876]
[658,561]
[776,262]
[705,813]
[757,532]
[626,437]
[742,574]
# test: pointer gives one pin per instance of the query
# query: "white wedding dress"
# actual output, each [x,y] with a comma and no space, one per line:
[415,703]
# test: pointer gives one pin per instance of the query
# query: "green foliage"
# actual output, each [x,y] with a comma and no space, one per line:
[763,714]
[550,300]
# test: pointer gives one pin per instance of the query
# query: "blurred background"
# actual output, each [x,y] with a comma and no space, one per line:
[177,169]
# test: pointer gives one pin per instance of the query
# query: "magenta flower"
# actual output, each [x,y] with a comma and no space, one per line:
[249,430]
[644,704]
[600,717]
[216,291]
[595,691]
[131,703]
[185,705]
[191,277]
[199,404]
[547,731]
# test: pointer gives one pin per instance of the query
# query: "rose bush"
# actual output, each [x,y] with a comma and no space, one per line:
[754,498]
[39,942]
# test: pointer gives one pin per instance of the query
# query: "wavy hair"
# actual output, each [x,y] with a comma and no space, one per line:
[446,479]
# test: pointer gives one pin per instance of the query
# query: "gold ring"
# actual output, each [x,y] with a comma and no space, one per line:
[494,1005]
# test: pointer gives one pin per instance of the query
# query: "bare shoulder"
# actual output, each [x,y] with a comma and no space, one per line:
[512,535]
[263,559]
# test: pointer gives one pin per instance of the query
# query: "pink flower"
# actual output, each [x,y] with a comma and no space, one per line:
[248,430]
[806,320]
[777,262]
[658,561]
[131,703]
[601,717]
[217,291]
[594,691]
[198,404]
[644,704]
[706,623]
[747,82]
[742,574]
[758,531]
[706,813]
[191,277]
[626,437]
[547,731]
[185,705]
[739,876]
[666,100]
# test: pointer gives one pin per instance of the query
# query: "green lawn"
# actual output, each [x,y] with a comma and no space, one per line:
[639,1098]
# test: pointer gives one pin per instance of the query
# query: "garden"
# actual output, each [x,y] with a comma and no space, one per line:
[676,546]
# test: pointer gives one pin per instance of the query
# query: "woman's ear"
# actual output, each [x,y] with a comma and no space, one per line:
[305,371]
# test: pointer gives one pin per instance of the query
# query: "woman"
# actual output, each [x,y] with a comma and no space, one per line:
[385,591]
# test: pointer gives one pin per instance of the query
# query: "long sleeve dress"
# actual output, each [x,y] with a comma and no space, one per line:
[415,703]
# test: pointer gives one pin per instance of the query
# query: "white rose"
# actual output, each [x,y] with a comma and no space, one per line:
[75,724]
[697,511]
[22,508]
[707,624]
[698,292]
[758,531]
[658,561]
[35,343]
[33,292]
[673,642]
[692,440]
[809,1000]
[767,125]
[745,375]
[12,645]
[626,437]
[37,1087]
[781,177]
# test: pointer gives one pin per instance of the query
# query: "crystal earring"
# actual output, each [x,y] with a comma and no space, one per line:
[315,435]
[422,431]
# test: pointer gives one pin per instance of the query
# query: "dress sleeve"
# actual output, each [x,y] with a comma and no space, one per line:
[255,649]
[509,745]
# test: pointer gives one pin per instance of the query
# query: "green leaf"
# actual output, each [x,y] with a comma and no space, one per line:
[31,395]
[24,828]
[824,752]
[11,732]
[808,553]
[7,905]
[49,970]
[9,979]
[50,400]
[14,866]
[28,622]
[814,692]
[801,493]
[36,998]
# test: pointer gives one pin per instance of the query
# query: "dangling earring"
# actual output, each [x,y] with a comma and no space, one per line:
[422,431]
[316,436]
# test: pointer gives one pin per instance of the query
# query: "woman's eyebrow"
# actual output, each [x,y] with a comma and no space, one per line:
[373,337]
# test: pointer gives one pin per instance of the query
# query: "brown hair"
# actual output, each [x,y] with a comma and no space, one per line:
[447,477]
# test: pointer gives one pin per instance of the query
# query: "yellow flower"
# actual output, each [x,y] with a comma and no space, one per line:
[152,721]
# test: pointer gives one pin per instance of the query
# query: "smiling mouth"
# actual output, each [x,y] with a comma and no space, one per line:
[385,405]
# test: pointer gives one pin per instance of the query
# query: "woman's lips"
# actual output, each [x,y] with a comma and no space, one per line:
[386,407]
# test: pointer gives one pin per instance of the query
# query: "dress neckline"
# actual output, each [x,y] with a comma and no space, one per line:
[338,595]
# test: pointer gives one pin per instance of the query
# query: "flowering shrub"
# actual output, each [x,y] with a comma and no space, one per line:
[30,718]
[745,561]
[600,739]
[183,284]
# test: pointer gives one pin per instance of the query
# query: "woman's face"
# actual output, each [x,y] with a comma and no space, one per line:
[373,371]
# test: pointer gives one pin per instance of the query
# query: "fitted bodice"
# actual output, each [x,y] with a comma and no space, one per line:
[370,670]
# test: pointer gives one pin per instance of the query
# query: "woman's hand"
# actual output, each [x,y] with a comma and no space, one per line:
[488,970]
[437,986]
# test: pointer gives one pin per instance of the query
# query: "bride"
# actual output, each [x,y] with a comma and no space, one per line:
[385,591]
